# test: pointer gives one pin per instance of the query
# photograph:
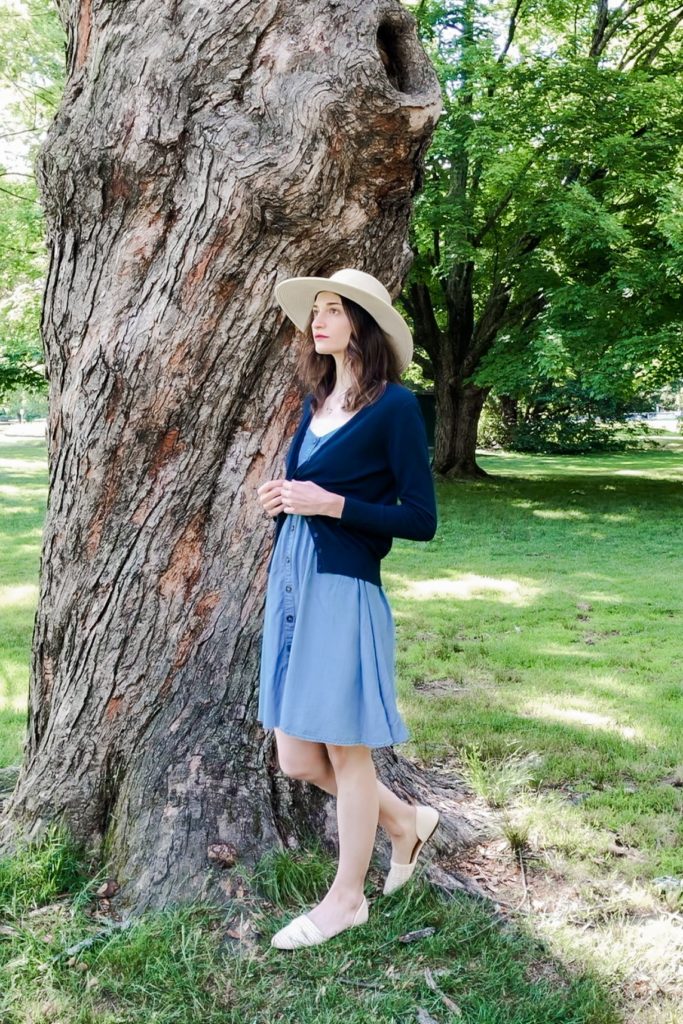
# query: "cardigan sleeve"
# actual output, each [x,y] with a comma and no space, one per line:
[416,517]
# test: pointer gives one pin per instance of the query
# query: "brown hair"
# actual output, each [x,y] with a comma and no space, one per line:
[371,361]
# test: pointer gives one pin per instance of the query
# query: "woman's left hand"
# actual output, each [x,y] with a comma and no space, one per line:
[304,498]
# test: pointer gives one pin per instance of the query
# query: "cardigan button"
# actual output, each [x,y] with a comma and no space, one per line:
[290,618]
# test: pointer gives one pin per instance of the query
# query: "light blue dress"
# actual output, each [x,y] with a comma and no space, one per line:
[328,647]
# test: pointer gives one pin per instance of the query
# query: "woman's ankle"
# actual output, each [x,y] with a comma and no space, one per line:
[350,896]
[401,826]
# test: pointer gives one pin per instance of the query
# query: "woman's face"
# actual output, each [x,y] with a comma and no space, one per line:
[331,327]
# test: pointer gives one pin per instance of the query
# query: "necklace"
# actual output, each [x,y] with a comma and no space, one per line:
[330,407]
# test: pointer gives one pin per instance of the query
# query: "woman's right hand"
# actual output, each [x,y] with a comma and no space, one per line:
[270,496]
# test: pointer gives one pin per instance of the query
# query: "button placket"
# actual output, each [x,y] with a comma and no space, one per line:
[289,590]
[289,597]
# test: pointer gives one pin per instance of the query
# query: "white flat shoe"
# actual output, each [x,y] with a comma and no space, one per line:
[426,821]
[304,932]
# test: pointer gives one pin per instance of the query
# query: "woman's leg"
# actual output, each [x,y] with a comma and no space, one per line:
[308,760]
[357,815]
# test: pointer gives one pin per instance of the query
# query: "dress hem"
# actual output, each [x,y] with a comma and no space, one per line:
[340,743]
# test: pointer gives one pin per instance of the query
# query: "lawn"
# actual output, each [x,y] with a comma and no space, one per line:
[539,655]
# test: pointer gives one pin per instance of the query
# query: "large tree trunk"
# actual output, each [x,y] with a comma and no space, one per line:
[201,153]
[458,404]
[458,408]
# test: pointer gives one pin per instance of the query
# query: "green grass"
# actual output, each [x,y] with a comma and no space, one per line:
[41,872]
[182,966]
[23,498]
[546,617]
[538,656]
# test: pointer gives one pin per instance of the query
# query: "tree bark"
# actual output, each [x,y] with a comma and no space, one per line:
[200,154]
[458,407]
[508,411]
[458,403]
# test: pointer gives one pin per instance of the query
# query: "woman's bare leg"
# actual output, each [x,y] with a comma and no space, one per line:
[309,760]
[357,815]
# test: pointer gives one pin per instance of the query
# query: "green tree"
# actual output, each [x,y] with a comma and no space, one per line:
[32,75]
[549,228]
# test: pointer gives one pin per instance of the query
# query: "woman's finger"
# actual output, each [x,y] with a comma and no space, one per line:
[268,486]
[275,506]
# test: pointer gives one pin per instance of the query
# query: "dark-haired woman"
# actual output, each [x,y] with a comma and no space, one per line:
[327,659]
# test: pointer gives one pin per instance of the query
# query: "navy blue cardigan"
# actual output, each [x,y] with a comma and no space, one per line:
[377,456]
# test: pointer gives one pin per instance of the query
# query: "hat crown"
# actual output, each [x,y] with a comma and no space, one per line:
[297,295]
[359,279]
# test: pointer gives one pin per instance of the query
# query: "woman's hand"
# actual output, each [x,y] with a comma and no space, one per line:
[270,496]
[304,498]
[299,497]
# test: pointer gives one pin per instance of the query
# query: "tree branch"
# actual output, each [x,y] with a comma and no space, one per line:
[511,34]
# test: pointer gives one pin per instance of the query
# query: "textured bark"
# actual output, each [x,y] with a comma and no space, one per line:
[509,410]
[200,154]
[449,363]
[457,421]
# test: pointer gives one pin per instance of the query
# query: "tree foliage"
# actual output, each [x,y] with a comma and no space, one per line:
[32,76]
[549,233]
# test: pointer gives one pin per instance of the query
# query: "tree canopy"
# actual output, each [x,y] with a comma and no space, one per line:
[549,232]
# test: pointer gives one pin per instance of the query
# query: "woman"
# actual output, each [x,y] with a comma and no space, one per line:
[327,656]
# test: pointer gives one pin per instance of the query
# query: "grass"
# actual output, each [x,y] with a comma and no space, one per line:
[496,780]
[545,618]
[539,657]
[183,965]
[40,873]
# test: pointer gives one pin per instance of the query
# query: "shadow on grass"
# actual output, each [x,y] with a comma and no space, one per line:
[182,964]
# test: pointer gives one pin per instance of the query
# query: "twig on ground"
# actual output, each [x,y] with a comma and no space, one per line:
[85,943]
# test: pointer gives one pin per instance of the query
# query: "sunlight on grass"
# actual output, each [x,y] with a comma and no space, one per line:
[559,650]
[559,513]
[592,719]
[470,586]
[16,465]
[16,703]
[601,595]
[23,595]
[639,472]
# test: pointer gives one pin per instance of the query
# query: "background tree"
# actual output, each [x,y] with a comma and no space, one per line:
[200,154]
[551,213]
[31,83]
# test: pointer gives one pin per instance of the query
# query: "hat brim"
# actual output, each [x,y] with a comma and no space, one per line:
[297,294]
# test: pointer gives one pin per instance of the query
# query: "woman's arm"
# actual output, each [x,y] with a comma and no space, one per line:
[416,517]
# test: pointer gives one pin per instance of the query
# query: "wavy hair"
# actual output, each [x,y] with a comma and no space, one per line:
[371,360]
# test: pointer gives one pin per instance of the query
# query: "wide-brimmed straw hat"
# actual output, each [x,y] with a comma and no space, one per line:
[296,295]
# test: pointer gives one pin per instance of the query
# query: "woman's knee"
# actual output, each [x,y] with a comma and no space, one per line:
[348,756]
[300,759]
